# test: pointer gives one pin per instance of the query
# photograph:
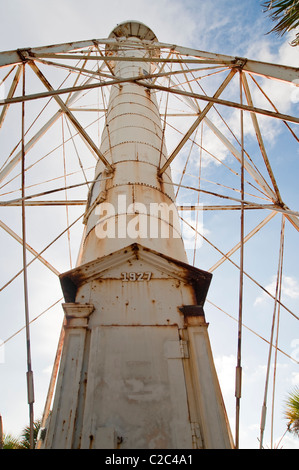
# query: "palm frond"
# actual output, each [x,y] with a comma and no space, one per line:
[25,441]
[11,442]
[286,14]
[292,411]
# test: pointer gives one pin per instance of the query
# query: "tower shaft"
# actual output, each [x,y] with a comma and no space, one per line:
[132,203]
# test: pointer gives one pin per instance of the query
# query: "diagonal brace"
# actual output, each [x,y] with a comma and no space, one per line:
[260,139]
[196,122]
[70,115]
[29,248]
[10,93]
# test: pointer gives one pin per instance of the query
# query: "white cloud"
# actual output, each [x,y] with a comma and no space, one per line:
[290,289]
[288,442]
[226,366]
[281,94]
[295,378]
[48,370]
[191,235]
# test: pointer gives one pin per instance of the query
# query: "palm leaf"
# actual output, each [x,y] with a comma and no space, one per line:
[286,14]
[292,411]
[25,442]
[11,442]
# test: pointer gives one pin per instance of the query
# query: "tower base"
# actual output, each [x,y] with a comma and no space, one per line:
[136,370]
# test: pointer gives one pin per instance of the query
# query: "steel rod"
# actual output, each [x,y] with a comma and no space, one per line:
[66,195]
[276,303]
[42,251]
[196,123]
[289,213]
[252,331]
[198,195]
[251,170]
[247,165]
[238,267]
[15,160]
[238,385]
[129,59]
[53,191]
[28,247]
[139,81]
[11,93]
[72,118]
[30,384]
[69,202]
[70,99]
[90,85]
[31,321]
[206,207]
[277,334]
[53,378]
[1,433]
[273,106]
[232,104]
[245,239]
[260,140]
[265,69]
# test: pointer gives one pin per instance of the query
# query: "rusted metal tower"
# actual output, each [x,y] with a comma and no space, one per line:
[135,363]
[136,368]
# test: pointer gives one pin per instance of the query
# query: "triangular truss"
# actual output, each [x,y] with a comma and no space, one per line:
[221,115]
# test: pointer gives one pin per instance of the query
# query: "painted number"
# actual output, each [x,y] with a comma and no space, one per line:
[136,276]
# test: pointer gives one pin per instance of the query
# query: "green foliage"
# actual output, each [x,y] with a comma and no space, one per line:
[25,437]
[286,15]
[292,411]
[11,442]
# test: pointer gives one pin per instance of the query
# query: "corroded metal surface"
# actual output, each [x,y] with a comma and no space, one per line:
[133,144]
[136,368]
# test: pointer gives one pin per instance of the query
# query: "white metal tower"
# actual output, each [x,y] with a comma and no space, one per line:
[135,364]
[136,368]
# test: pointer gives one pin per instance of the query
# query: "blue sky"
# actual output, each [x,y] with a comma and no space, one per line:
[229,27]
[229,24]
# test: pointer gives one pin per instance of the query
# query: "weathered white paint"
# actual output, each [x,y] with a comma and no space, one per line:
[132,143]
